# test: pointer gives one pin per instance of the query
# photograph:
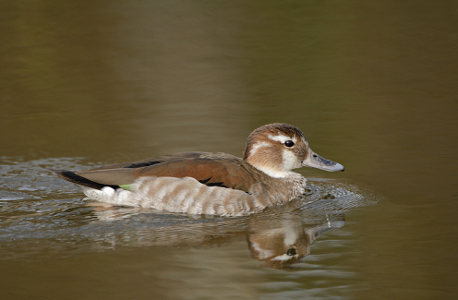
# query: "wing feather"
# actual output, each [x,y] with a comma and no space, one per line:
[212,169]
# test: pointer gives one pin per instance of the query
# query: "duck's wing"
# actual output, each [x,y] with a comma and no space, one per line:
[212,169]
[156,160]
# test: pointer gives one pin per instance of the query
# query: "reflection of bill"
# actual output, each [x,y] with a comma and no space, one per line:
[285,240]
[278,238]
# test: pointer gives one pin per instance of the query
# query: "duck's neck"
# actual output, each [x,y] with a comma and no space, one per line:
[282,190]
[278,186]
[267,167]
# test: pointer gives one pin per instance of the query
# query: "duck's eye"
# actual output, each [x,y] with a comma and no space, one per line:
[291,252]
[289,143]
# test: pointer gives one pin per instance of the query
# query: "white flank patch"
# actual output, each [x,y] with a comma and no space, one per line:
[109,195]
[282,138]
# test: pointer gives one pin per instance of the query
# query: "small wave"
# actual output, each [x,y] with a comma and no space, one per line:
[41,211]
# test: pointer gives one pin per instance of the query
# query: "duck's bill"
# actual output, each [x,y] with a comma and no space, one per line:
[315,161]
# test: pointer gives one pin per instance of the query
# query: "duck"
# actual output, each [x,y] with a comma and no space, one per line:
[210,183]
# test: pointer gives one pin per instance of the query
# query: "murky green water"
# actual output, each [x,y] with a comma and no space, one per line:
[373,85]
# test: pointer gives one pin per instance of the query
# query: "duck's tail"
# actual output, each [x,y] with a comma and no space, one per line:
[80,180]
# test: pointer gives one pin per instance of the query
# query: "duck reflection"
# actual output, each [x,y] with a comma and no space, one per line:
[278,237]
[286,239]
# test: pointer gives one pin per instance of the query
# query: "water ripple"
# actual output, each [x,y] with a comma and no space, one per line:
[41,213]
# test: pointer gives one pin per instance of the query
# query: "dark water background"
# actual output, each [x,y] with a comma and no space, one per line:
[373,85]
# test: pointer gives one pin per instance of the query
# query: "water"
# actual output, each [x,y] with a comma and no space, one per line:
[47,219]
[371,84]
[37,207]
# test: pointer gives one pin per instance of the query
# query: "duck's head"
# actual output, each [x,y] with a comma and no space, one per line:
[277,148]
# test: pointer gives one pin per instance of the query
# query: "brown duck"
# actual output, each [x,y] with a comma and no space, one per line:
[211,183]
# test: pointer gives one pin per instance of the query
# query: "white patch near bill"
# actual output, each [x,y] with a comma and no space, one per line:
[290,160]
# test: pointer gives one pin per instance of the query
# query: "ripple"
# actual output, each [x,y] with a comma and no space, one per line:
[42,213]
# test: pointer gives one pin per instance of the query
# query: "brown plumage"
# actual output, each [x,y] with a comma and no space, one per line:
[210,183]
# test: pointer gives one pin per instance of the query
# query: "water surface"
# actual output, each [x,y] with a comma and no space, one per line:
[371,84]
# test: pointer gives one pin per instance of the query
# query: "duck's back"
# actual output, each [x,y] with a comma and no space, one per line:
[193,182]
